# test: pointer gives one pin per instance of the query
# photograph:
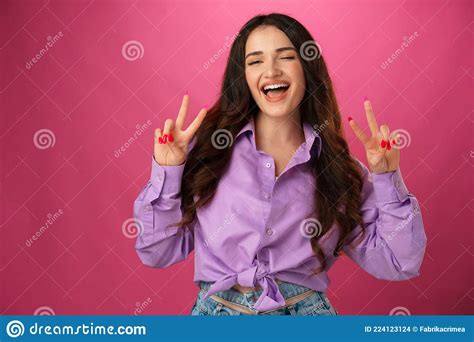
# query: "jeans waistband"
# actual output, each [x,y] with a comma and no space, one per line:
[287,290]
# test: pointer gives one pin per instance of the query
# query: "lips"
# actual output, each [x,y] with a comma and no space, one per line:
[274,83]
[275,91]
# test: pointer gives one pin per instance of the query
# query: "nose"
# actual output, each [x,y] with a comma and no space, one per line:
[272,70]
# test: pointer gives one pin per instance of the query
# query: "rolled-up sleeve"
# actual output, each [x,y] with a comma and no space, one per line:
[394,243]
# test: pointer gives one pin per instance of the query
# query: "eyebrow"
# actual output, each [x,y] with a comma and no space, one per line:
[276,50]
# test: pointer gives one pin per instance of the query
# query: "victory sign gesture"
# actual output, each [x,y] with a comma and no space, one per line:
[381,149]
[171,145]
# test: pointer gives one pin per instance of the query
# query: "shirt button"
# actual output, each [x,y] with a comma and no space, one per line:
[148,208]
[397,184]
[267,196]
[268,165]
[269,231]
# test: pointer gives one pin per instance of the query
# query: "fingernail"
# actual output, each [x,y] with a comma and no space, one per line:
[160,140]
[382,143]
[394,142]
[165,137]
[388,146]
[349,118]
[365,98]
[170,138]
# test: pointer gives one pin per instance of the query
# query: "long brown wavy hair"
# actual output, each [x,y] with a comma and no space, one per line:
[339,178]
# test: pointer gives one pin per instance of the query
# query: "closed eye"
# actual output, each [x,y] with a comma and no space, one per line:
[254,62]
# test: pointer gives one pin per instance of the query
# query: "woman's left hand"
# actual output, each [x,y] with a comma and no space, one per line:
[381,149]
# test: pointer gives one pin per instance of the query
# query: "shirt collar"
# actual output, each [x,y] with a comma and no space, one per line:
[313,141]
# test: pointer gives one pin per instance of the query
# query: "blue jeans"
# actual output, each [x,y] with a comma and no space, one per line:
[315,304]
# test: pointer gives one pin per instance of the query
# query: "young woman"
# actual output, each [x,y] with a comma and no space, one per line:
[263,188]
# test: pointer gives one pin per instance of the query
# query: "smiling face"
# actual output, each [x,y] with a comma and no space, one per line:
[273,71]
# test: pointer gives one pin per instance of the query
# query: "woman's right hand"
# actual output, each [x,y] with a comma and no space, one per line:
[172,151]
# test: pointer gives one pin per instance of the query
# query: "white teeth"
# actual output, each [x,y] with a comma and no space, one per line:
[275,86]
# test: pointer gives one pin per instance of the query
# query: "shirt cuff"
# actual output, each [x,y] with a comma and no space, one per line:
[166,179]
[389,187]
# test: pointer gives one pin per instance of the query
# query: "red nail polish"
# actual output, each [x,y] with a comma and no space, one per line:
[165,137]
[394,142]
[382,143]
[349,118]
[388,146]
[170,138]
[160,140]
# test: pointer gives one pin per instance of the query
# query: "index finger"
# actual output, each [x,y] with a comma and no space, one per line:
[374,127]
[358,131]
[182,112]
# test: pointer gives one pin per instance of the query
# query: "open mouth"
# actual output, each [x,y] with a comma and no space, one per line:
[275,92]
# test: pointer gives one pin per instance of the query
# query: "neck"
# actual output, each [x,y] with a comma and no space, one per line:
[278,132]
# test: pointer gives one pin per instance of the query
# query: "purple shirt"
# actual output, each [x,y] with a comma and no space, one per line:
[257,227]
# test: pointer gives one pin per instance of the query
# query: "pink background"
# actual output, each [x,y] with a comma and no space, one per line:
[91,99]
